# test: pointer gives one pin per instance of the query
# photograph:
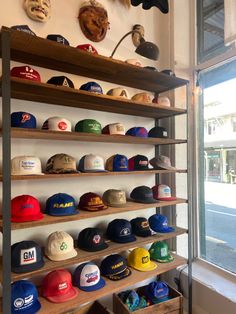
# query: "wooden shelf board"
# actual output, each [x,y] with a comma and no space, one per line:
[131,206]
[48,54]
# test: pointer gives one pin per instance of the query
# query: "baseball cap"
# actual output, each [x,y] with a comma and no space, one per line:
[88,126]
[91,201]
[142,97]
[91,240]
[60,246]
[117,163]
[158,131]
[157,291]
[91,163]
[114,198]
[61,204]
[114,129]
[21,119]
[57,124]
[27,256]
[61,163]
[118,92]
[23,28]
[159,223]
[140,227]
[159,252]
[142,194]
[134,62]
[162,100]
[26,72]
[58,38]
[24,297]
[87,48]
[120,230]
[146,5]
[61,81]
[57,286]
[138,162]
[25,208]
[138,131]
[139,259]
[26,165]
[168,72]
[162,192]
[92,87]
[87,277]
[115,267]
[161,162]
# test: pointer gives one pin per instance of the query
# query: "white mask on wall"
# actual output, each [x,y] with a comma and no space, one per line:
[38,10]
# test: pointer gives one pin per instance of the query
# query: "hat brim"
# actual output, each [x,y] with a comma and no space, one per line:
[62,171]
[73,293]
[61,257]
[64,214]
[98,286]
[130,238]
[147,201]
[91,209]
[91,171]
[28,218]
[28,268]
[33,309]
[166,259]
[125,273]
[27,174]
[117,205]
[151,266]
[146,233]
[172,198]
[163,166]
[164,230]
[101,247]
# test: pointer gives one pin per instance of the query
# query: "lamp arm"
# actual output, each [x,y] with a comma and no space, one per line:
[131,32]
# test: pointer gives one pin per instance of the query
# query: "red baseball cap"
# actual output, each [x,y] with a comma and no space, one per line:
[162,192]
[57,286]
[25,208]
[88,48]
[26,72]
[91,201]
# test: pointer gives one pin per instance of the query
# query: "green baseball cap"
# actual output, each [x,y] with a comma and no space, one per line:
[88,126]
[159,252]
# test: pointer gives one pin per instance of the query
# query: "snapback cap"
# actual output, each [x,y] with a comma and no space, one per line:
[117,163]
[58,38]
[118,92]
[88,126]
[23,28]
[61,204]
[162,192]
[159,223]
[57,124]
[26,165]
[142,97]
[91,240]
[114,198]
[140,227]
[26,72]
[91,163]
[161,162]
[61,163]
[92,87]
[25,208]
[87,48]
[115,267]
[91,201]
[138,162]
[21,119]
[137,131]
[159,251]
[158,132]
[114,129]
[161,100]
[142,194]
[139,259]
[61,81]
[157,291]
[120,230]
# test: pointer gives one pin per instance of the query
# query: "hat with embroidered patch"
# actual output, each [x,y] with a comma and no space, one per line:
[159,252]
[91,201]
[61,204]
[142,97]
[91,163]
[158,132]
[157,291]
[162,192]
[88,126]
[118,92]
[23,28]
[61,163]
[26,165]
[139,259]
[140,227]
[91,240]
[25,208]
[87,48]
[138,162]
[114,198]
[115,267]
[22,119]
[114,129]
[162,101]
[138,131]
[117,163]
[161,162]
[58,38]
[26,72]
[57,124]
[92,87]
[159,223]
[120,230]
[61,81]
[143,194]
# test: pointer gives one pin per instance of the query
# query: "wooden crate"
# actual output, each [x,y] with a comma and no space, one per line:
[172,306]
[92,308]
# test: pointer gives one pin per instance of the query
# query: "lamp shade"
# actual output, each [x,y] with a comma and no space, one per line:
[148,50]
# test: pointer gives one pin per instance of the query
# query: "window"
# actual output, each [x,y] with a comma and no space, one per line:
[234,124]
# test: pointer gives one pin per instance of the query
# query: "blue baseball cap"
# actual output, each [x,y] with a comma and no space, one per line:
[120,230]
[87,277]
[61,204]
[59,39]
[24,297]
[23,28]
[157,291]
[159,223]
[138,131]
[21,119]
[92,87]
[117,163]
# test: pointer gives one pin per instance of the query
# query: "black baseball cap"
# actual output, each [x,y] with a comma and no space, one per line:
[27,256]
[140,227]
[120,230]
[142,194]
[168,72]
[115,267]
[59,39]
[23,28]
[158,131]
[61,81]
[138,162]
[91,240]
[162,5]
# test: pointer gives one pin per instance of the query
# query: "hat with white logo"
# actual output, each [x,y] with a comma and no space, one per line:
[114,129]
[26,165]
[91,163]
[161,162]
[118,92]
[61,163]
[60,246]
[162,100]
[162,192]
[120,230]
[57,124]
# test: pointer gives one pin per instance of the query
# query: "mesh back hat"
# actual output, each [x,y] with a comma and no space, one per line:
[114,129]
[57,124]
[139,259]
[142,194]
[114,198]
[26,165]
[118,92]
[88,126]
[117,163]
[61,163]
[25,208]
[161,162]
[91,163]
[159,252]
[59,39]
[138,162]
[162,192]
[162,101]
[140,227]
[61,204]
[92,87]
[91,201]
[120,230]
[26,72]
[23,119]
[159,223]
[158,132]
[115,267]
[61,81]
[91,240]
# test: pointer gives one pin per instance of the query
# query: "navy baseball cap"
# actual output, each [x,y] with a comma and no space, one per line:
[23,28]
[140,227]
[138,131]
[117,163]
[27,256]
[24,297]
[61,81]
[61,204]
[59,39]
[120,230]
[91,240]
[92,87]
[159,223]
[143,194]
[115,267]
[21,119]
[157,291]
[158,131]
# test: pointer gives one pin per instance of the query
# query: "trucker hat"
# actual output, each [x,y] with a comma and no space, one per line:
[92,87]
[26,72]
[157,291]
[159,223]
[27,256]
[138,162]
[91,201]
[162,192]
[118,92]
[87,277]
[91,163]
[115,267]
[142,97]
[120,230]
[61,204]
[114,129]
[117,163]
[158,132]
[91,240]
[61,81]
[26,165]
[60,246]
[23,28]
[140,227]
[88,48]
[61,163]
[24,297]
[139,259]
[161,162]
[159,252]
[142,194]
[88,126]
[114,198]
[57,124]
[22,119]
[161,100]
[138,131]
[58,38]
[25,208]
[57,286]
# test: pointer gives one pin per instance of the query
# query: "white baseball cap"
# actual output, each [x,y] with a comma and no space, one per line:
[162,192]
[134,62]
[57,124]
[114,129]
[142,97]
[118,92]
[60,246]
[92,163]
[26,165]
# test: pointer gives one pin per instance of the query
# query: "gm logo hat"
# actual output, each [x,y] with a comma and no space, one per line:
[61,81]
[115,267]
[58,38]
[117,163]
[114,129]
[57,124]
[26,165]
[92,87]
[91,163]
[88,126]
[91,240]
[91,201]
[87,48]
[120,230]
[21,119]
[61,163]
[118,92]
[138,131]
[25,208]
[159,223]
[139,259]
[61,204]
[159,252]
[138,162]
[162,192]
[114,198]
[26,72]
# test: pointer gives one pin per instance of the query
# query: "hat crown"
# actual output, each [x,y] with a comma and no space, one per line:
[57,282]
[22,165]
[89,275]
[59,242]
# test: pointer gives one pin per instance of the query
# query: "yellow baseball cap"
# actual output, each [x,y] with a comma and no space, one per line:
[139,259]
